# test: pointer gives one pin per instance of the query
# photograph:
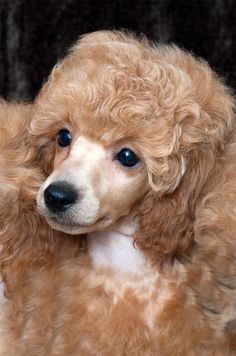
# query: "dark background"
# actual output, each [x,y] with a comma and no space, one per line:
[35,34]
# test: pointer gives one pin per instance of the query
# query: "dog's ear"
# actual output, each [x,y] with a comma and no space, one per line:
[166,220]
[167,212]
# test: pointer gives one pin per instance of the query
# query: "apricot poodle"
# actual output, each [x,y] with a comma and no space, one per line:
[131,250]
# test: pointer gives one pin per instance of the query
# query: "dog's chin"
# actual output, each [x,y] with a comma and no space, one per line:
[76,228]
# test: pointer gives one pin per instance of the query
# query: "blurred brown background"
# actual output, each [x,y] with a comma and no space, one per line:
[35,34]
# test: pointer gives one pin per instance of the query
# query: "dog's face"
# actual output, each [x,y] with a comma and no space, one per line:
[118,121]
[93,183]
[108,122]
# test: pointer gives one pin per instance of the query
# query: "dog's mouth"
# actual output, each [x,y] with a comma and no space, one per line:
[73,228]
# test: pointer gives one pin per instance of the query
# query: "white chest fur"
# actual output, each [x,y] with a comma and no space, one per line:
[116,251]
[127,267]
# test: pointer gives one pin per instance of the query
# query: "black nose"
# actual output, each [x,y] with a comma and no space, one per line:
[60,196]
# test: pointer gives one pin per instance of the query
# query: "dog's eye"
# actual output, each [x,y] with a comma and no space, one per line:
[127,157]
[64,138]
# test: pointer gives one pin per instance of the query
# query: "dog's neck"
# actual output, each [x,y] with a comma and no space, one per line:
[114,250]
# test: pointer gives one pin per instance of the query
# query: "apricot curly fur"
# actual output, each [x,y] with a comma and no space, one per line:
[181,120]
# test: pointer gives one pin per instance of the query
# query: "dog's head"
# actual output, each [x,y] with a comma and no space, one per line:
[125,126]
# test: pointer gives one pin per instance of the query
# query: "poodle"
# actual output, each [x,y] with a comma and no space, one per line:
[131,246]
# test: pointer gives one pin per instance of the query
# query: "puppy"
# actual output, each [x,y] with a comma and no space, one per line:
[137,142]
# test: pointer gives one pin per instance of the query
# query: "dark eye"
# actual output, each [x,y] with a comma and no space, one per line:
[127,157]
[64,138]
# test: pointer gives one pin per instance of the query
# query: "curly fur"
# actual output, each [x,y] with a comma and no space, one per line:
[179,117]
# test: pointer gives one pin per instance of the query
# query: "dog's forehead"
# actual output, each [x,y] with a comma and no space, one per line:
[104,131]
[113,115]
[110,99]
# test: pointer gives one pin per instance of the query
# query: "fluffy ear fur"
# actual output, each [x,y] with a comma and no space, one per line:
[22,242]
[19,181]
[167,211]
